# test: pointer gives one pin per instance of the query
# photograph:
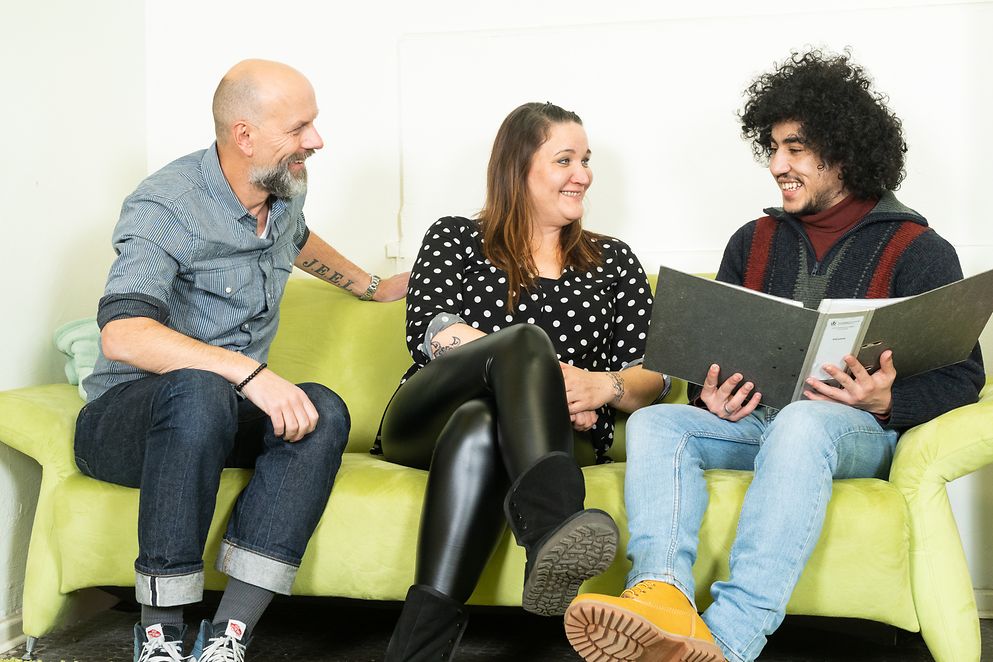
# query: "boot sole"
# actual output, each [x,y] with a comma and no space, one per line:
[582,547]
[607,633]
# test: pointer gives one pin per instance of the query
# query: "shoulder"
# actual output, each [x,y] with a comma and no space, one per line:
[156,210]
[451,234]
[928,252]
[610,247]
[741,238]
[173,182]
[453,225]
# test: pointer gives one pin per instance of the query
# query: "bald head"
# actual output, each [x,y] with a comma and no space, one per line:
[251,89]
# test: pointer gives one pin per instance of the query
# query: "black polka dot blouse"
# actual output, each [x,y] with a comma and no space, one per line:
[597,320]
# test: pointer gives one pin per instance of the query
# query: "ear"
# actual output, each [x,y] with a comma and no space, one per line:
[241,134]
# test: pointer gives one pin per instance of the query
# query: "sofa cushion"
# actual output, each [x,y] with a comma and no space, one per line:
[79,340]
[365,544]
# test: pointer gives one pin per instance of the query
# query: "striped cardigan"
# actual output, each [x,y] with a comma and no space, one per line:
[891,252]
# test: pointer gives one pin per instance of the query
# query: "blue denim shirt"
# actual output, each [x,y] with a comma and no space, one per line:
[188,256]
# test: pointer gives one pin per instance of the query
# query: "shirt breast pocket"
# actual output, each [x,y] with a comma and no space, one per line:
[228,284]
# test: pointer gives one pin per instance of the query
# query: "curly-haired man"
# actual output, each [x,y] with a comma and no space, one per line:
[836,153]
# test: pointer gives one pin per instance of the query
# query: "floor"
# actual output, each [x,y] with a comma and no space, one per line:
[314,629]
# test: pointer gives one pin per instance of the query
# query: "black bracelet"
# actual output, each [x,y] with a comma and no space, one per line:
[262,366]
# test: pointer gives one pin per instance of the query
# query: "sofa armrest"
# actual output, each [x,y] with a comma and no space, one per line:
[40,421]
[947,447]
[927,458]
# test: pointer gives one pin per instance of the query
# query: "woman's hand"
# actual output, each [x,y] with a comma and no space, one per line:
[583,421]
[587,391]
[626,390]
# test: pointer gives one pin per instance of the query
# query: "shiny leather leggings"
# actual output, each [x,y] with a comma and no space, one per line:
[478,417]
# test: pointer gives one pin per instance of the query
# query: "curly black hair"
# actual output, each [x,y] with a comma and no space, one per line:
[843,120]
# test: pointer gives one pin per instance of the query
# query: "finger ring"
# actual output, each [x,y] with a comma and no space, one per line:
[728,411]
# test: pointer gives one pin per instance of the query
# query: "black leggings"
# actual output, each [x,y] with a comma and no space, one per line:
[478,417]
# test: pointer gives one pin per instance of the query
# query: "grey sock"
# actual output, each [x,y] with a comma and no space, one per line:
[242,602]
[161,616]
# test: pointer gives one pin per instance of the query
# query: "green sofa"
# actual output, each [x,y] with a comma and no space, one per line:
[890,551]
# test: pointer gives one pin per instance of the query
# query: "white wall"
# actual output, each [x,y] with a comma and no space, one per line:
[73,136]
[93,73]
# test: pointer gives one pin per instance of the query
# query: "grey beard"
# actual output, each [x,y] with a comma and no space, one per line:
[278,180]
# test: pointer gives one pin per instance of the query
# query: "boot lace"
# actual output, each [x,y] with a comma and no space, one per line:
[223,648]
[162,651]
[637,590]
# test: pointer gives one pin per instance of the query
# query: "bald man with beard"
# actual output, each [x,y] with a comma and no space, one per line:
[181,388]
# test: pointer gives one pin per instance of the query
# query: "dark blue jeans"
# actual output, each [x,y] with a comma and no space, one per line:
[171,435]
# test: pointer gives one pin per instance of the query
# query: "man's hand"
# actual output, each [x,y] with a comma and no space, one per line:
[292,413]
[392,288]
[588,391]
[873,393]
[583,421]
[723,401]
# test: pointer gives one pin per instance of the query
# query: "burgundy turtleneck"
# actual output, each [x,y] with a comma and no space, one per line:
[825,227]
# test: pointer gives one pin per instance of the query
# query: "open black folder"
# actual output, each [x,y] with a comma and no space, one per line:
[776,343]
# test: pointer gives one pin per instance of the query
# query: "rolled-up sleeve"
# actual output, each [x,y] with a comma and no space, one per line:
[632,310]
[435,291]
[151,244]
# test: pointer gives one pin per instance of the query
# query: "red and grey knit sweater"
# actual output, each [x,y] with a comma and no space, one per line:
[891,252]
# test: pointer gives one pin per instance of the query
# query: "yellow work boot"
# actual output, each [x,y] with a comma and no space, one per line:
[651,621]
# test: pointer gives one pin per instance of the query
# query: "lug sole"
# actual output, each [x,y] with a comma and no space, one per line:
[607,633]
[582,547]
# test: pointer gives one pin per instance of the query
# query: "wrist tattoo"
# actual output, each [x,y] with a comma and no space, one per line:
[437,349]
[321,270]
[618,385]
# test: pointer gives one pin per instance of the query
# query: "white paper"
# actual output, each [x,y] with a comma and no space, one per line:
[839,338]
[854,305]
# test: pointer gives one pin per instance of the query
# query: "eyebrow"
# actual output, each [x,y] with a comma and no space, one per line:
[569,150]
[794,139]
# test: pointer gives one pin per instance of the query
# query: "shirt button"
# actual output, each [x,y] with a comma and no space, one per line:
[227,290]
[244,327]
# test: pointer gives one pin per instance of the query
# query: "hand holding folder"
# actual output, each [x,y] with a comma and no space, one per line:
[776,343]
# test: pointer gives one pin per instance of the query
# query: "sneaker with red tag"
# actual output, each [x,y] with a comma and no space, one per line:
[221,642]
[159,643]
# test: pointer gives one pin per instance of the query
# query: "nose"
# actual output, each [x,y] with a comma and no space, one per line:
[312,139]
[582,175]
[778,164]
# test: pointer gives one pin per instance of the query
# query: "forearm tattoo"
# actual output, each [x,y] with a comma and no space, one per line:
[437,349]
[322,271]
[618,385]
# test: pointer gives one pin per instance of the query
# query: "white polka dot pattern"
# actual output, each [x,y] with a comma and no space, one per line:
[597,320]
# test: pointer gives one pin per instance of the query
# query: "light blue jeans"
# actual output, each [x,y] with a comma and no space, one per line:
[795,455]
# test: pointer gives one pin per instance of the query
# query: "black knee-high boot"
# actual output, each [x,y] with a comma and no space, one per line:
[565,544]
[430,627]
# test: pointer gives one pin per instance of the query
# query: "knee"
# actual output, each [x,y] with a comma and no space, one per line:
[471,430]
[650,430]
[803,429]
[334,421]
[526,340]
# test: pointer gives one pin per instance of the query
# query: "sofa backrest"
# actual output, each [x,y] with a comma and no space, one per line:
[353,347]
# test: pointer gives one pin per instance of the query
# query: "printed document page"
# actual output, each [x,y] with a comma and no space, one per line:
[841,333]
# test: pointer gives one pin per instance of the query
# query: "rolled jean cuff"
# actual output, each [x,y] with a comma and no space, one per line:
[168,590]
[729,654]
[255,569]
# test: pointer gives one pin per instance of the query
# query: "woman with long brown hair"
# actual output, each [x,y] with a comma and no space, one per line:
[523,326]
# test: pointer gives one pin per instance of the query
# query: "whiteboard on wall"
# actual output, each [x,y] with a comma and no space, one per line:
[659,99]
